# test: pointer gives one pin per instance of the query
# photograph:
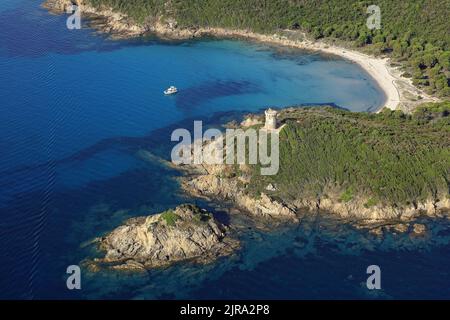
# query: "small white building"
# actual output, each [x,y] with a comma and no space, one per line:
[271,119]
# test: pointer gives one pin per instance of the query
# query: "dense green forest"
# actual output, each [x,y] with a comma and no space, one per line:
[416,33]
[389,157]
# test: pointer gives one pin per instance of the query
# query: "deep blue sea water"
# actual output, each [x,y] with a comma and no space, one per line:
[77,110]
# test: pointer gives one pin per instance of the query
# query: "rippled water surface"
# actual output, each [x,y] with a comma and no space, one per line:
[76,112]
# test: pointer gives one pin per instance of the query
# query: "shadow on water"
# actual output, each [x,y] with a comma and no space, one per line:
[196,96]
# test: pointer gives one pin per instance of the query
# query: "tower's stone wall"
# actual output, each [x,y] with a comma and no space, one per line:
[271,119]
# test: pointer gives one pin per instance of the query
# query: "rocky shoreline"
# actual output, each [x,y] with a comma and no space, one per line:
[219,182]
[186,233]
[377,221]
[213,185]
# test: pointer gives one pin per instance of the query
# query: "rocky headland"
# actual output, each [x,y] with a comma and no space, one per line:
[226,183]
[186,233]
[214,184]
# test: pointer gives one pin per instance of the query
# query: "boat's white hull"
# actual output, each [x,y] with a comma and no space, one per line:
[170,91]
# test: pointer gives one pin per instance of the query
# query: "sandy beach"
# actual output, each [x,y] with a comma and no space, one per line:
[377,68]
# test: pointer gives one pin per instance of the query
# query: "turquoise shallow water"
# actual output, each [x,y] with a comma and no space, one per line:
[77,109]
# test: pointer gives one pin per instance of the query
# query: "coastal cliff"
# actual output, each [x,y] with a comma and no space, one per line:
[184,233]
[214,186]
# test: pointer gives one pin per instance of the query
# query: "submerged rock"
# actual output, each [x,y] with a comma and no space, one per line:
[419,230]
[184,233]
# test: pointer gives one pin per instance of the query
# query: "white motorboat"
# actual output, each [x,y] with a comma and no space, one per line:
[170,90]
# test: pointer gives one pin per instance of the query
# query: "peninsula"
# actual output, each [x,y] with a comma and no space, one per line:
[367,168]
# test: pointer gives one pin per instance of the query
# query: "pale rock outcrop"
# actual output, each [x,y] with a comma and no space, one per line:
[357,209]
[412,229]
[213,186]
[185,233]
[265,206]
[58,6]
[419,229]
[250,121]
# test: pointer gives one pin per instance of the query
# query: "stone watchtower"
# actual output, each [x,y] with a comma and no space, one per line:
[271,119]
